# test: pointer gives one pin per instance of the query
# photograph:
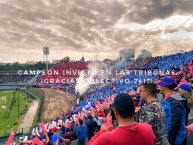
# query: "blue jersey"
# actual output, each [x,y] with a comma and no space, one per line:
[175,118]
[55,138]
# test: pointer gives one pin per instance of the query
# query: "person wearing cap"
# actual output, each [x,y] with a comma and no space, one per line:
[152,113]
[57,138]
[186,93]
[174,111]
[128,131]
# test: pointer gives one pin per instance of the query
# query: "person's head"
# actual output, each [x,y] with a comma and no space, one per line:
[166,84]
[147,90]
[90,117]
[186,91]
[54,129]
[77,123]
[185,73]
[124,107]
[81,122]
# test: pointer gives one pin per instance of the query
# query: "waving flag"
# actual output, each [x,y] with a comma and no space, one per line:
[79,116]
[10,139]
[191,69]
[92,109]
[105,104]
[67,125]
[109,100]
[44,130]
[99,105]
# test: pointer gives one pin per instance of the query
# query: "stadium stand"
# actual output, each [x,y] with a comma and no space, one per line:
[97,101]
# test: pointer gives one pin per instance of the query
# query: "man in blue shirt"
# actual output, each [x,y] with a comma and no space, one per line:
[174,111]
[57,137]
[81,132]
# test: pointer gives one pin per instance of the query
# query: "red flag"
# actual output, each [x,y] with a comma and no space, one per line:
[36,141]
[191,69]
[109,101]
[99,106]
[43,128]
[92,109]
[10,139]
[105,104]
[79,116]
[68,125]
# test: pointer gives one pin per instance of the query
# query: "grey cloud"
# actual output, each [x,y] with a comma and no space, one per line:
[84,25]
[144,11]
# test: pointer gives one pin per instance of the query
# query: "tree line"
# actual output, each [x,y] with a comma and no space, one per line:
[25,66]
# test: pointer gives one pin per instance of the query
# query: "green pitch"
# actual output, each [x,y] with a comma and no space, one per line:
[6,99]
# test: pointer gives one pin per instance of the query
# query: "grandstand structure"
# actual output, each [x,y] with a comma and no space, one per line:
[13,78]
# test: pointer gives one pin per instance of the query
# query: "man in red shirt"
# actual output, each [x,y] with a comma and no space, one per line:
[128,131]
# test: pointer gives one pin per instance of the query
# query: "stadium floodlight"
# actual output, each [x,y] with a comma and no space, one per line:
[46,53]
[17,90]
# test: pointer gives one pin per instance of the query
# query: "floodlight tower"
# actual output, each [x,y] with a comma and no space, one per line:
[46,53]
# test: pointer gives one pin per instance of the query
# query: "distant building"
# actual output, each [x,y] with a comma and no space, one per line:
[127,54]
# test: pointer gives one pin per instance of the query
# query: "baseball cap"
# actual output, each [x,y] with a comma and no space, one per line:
[185,87]
[166,81]
[54,129]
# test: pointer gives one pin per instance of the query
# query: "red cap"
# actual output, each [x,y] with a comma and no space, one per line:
[54,129]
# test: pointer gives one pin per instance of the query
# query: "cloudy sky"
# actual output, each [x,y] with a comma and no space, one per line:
[98,28]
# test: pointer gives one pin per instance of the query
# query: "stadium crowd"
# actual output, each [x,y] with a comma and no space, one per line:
[148,110]
[12,77]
